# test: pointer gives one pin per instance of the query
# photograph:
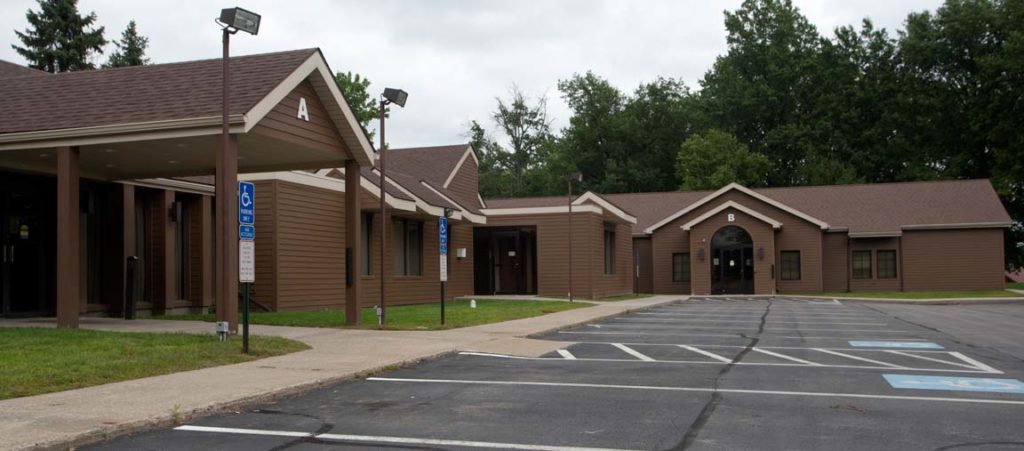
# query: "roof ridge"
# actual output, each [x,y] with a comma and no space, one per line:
[179,63]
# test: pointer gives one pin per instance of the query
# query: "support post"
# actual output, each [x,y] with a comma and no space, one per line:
[383,219]
[354,242]
[570,239]
[127,242]
[68,245]
[226,235]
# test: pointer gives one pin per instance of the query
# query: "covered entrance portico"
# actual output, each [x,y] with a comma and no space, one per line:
[161,122]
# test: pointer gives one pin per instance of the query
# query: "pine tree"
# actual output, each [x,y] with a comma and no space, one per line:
[60,38]
[131,49]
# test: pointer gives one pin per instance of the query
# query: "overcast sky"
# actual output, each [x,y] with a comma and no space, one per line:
[454,57]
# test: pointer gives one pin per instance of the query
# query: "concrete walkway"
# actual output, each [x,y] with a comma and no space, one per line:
[65,419]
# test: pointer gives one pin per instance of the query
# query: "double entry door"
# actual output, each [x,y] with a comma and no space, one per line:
[26,221]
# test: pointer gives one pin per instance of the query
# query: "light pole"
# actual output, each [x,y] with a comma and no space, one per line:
[397,97]
[231,20]
[579,178]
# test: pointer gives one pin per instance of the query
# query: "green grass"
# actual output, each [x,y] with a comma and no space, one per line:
[37,361]
[924,294]
[1015,286]
[409,317]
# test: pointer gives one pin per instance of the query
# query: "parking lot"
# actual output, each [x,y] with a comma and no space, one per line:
[706,373]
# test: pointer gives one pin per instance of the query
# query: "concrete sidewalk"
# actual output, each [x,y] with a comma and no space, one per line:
[65,419]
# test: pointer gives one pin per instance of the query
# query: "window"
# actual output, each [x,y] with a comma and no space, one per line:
[407,247]
[609,248]
[861,264]
[886,263]
[367,232]
[789,268]
[681,267]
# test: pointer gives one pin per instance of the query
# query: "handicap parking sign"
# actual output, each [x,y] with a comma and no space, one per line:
[975,384]
[246,203]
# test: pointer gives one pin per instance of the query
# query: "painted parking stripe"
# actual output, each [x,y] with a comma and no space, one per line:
[642,324]
[977,364]
[895,344]
[705,390]
[700,334]
[566,354]
[745,321]
[719,362]
[786,357]
[972,384]
[856,357]
[931,359]
[706,353]
[633,352]
[383,439]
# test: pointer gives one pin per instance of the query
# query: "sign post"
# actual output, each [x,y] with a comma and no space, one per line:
[442,232]
[246,251]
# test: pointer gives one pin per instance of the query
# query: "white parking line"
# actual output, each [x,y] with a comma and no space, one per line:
[632,352]
[708,320]
[702,315]
[977,364]
[384,439]
[733,335]
[769,329]
[706,353]
[718,362]
[783,356]
[566,354]
[930,359]
[855,357]
[705,390]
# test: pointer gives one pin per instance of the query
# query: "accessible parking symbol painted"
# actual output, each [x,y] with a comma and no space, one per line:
[896,344]
[976,384]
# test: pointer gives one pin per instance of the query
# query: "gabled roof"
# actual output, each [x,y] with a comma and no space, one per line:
[861,209]
[10,70]
[435,164]
[734,205]
[99,104]
[556,204]
[737,187]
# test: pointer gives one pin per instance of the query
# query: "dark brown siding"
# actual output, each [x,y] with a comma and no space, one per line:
[796,234]
[874,283]
[464,185]
[264,290]
[589,279]
[284,124]
[425,288]
[834,262]
[700,239]
[642,252]
[969,259]
[310,247]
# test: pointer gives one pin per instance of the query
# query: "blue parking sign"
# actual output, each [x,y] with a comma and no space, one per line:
[246,203]
[442,231]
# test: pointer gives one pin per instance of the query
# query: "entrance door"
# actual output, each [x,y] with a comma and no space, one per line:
[732,262]
[509,268]
[21,250]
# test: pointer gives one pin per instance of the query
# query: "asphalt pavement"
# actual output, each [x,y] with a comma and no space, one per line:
[708,373]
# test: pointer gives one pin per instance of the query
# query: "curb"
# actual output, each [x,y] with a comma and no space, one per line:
[98,435]
[950,301]
[622,311]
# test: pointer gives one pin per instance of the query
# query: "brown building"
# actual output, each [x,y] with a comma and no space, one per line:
[114,189]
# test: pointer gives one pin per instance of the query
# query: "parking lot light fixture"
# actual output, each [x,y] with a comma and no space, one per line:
[579,178]
[397,97]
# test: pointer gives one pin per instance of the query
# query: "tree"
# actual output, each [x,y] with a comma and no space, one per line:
[355,89]
[593,142]
[131,49]
[762,89]
[713,159]
[60,39]
[526,127]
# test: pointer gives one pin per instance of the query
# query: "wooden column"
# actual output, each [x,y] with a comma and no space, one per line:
[206,250]
[68,244]
[226,233]
[353,242]
[127,239]
[164,300]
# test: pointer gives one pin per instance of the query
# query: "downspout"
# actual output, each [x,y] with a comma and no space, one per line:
[899,246]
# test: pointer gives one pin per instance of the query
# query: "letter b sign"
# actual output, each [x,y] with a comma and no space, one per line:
[731,217]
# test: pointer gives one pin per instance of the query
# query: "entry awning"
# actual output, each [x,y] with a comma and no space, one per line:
[165,120]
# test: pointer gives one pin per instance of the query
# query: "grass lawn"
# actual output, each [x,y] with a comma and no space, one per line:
[1015,286]
[924,294]
[37,360]
[409,317]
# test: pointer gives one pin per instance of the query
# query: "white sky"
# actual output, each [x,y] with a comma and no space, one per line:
[455,56]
